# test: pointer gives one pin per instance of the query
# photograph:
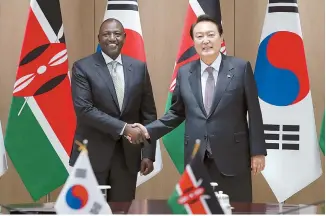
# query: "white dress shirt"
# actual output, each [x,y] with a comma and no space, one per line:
[119,68]
[119,71]
[204,74]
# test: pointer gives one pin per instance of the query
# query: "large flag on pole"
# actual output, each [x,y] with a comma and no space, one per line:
[293,160]
[42,122]
[3,157]
[174,140]
[127,12]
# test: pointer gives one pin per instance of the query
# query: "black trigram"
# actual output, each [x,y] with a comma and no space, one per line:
[285,6]
[283,137]
[124,5]
[80,173]
[96,208]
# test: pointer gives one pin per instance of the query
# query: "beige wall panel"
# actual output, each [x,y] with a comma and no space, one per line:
[78,19]
[249,18]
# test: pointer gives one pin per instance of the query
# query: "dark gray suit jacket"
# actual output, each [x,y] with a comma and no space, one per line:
[225,127]
[99,119]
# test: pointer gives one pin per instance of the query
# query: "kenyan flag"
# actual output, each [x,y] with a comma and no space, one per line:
[193,193]
[185,55]
[42,122]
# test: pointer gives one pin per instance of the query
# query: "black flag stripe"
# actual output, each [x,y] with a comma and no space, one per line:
[187,54]
[295,128]
[286,146]
[290,137]
[211,8]
[122,7]
[282,1]
[52,12]
[285,9]
[269,127]
[272,146]
[272,136]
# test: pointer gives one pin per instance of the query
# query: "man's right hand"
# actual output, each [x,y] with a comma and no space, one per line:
[133,134]
[142,129]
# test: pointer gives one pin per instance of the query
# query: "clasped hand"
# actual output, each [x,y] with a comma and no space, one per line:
[136,133]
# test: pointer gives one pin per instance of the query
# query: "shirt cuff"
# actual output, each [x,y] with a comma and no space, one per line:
[123,129]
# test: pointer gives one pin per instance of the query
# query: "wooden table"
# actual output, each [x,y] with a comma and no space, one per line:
[161,207]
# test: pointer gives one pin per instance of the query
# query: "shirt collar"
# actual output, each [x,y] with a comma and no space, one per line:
[216,64]
[108,59]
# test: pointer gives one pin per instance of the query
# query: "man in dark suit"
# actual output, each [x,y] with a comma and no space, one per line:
[110,91]
[213,95]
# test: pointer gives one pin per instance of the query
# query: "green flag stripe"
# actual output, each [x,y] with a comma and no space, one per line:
[173,203]
[174,142]
[31,152]
[322,135]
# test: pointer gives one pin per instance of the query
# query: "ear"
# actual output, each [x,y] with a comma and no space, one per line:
[98,37]
[222,37]
[124,37]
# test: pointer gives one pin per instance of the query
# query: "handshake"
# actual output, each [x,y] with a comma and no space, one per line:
[136,133]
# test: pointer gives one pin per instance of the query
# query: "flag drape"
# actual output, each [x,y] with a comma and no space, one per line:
[293,158]
[41,123]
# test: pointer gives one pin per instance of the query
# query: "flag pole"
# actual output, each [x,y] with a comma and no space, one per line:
[48,198]
[196,147]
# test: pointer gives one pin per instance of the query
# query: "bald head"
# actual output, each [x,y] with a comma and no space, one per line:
[111,37]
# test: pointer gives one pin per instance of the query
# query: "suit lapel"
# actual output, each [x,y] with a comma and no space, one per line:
[224,77]
[195,84]
[104,73]
[128,77]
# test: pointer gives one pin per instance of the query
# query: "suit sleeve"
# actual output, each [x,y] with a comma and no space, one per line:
[85,110]
[173,117]
[148,113]
[256,131]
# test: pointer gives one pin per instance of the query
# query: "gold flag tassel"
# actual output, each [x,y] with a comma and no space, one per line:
[82,146]
[196,148]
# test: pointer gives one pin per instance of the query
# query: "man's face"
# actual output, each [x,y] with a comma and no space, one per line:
[111,38]
[207,39]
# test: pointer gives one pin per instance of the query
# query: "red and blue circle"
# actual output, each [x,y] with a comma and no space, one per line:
[281,71]
[77,197]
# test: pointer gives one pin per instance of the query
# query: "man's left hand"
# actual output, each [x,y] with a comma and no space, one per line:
[146,166]
[257,164]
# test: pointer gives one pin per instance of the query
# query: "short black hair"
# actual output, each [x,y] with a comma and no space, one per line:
[112,20]
[203,18]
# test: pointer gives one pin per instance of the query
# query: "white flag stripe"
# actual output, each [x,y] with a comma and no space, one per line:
[43,22]
[196,7]
[3,156]
[158,166]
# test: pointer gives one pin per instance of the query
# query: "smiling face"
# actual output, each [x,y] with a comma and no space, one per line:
[111,38]
[207,41]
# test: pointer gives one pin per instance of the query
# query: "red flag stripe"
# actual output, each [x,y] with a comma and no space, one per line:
[188,186]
